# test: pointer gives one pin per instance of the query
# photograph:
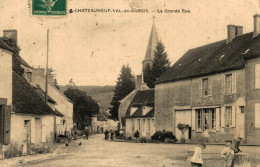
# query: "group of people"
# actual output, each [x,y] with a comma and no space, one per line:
[111,134]
[228,153]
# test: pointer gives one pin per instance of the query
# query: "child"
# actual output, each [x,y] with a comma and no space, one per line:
[228,154]
[196,160]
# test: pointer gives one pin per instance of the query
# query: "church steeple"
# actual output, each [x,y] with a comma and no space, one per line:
[153,40]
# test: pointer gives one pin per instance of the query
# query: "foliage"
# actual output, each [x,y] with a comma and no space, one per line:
[55,83]
[159,66]
[183,127]
[84,107]
[161,136]
[17,64]
[125,84]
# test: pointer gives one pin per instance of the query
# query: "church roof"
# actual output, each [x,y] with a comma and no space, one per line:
[153,40]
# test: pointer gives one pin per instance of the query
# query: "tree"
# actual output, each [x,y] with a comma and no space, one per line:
[124,85]
[148,77]
[159,66]
[84,107]
[55,83]
[183,128]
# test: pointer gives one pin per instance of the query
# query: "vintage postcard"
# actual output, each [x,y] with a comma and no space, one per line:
[122,83]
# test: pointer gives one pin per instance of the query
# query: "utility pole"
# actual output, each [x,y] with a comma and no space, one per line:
[47,73]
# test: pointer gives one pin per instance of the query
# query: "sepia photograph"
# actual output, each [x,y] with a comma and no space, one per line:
[130,83]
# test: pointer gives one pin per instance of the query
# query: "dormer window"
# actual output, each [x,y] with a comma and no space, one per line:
[29,76]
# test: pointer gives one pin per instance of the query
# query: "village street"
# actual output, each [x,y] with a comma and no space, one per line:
[98,152]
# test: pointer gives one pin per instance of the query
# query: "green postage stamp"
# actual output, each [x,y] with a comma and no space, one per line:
[49,7]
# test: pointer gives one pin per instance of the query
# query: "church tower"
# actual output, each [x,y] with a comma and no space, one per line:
[153,40]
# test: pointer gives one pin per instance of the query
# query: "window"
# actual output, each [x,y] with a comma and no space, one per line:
[143,128]
[206,119]
[148,125]
[139,124]
[228,116]
[29,75]
[213,118]
[205,87]
[199,120]
[257,115]
[229,83]
[26,122]
[242,109]
[257,76]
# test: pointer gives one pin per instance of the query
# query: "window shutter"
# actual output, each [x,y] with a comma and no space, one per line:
[233,116]
[200,88]
[217,119]
[234,83]
[32,130]
[223,84]
[222,117]
[193,121]
[43,129]
[7,124]
[210,86]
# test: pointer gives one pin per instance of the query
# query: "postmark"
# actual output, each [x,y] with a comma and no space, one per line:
[136,4]
[49,7]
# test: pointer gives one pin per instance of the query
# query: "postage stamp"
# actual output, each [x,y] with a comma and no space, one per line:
[49,7]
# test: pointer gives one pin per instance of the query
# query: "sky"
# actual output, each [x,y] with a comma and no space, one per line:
[91,48]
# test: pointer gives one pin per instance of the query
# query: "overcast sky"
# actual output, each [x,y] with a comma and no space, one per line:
[91,48]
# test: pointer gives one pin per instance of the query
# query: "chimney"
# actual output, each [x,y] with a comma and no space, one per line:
[256,25]
[12,34]
[138,80]
[39,72]
[233,31]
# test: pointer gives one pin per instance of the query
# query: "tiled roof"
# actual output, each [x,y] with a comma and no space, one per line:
[26,100]
[7,44]
[142,98]
[58,113]
[213,58]
[42,94]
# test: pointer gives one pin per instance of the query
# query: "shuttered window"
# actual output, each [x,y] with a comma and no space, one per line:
[257,115]
[257,76]
[229,83]
[205,87]
[228,121]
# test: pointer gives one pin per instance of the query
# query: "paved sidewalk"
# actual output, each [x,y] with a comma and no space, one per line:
[60,151]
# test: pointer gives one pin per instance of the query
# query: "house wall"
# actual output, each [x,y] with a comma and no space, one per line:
[6,75]
[28,138]
[167,96]
[63,104]
[187,94]
[253,98]
[124,103]
[132,126]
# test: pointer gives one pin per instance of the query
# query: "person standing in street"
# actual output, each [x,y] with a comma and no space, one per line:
[228,154]
[111,134]
[136,135]
[196,160]
[106,134]
[86,132]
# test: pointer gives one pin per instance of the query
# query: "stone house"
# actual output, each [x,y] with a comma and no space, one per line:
[102,122]
[63,104]
[214,89]
[27,122]
[140,115]
[139,84]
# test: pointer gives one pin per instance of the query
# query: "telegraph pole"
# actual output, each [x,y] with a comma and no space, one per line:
[47,73]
